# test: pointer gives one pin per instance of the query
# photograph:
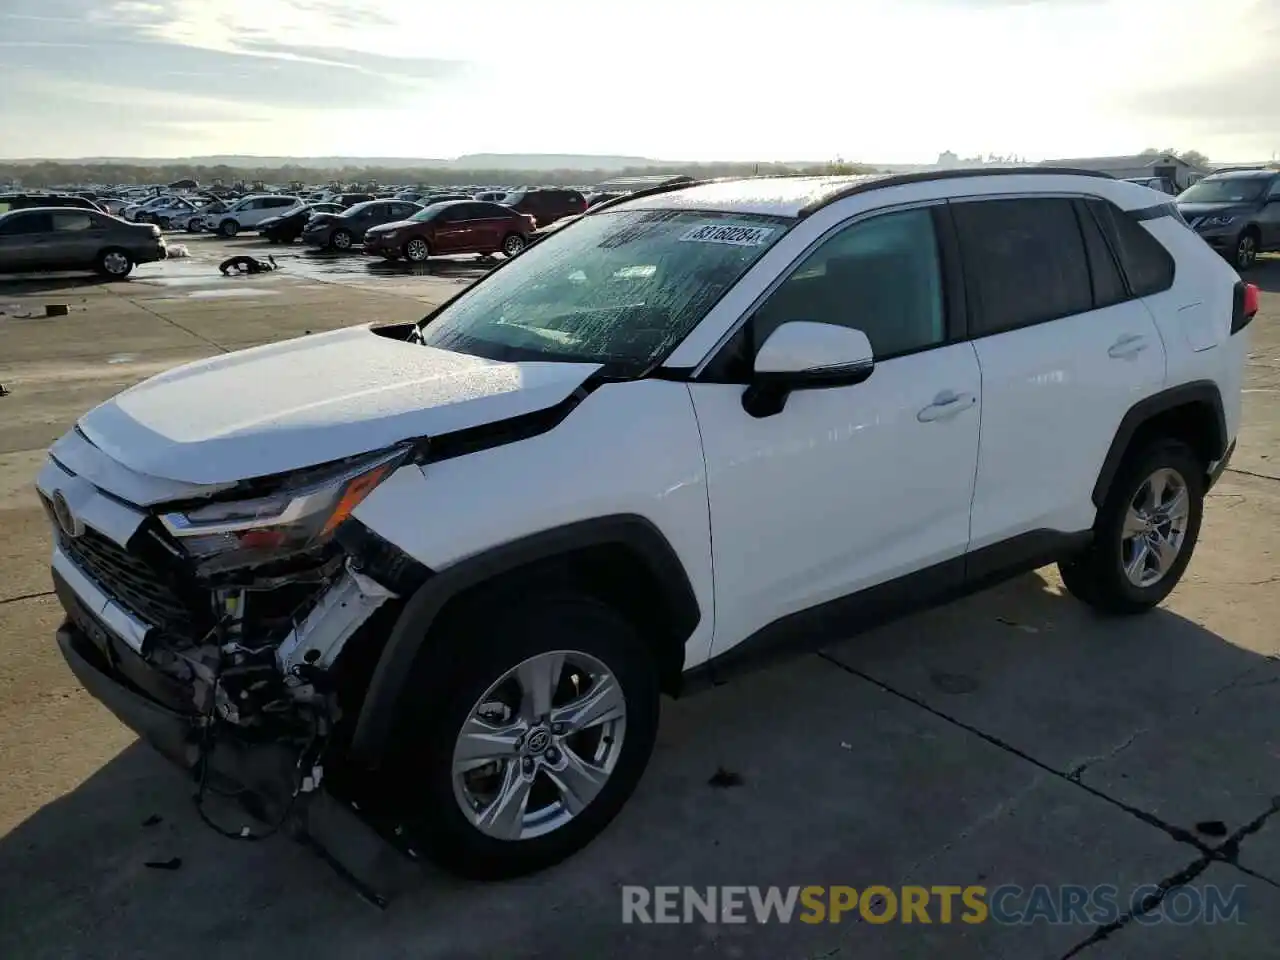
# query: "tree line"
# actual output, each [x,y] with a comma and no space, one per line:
[47,173]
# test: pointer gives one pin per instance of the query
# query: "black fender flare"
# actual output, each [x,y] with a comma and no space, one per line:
[411,631]
[1199,392]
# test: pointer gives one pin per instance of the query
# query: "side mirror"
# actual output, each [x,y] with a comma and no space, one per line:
[805,355]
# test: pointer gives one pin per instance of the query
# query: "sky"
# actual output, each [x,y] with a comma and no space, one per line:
[869,80]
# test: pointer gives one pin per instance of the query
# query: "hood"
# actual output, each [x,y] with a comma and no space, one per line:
[388,227]
[1190,210]
[321,220]
[289,405]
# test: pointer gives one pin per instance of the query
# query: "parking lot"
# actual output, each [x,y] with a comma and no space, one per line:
[1013,738]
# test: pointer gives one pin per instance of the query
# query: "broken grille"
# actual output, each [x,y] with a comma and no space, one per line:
[139,586]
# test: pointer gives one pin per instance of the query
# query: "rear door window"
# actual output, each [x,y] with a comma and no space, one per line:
[72,222]
[1024,261]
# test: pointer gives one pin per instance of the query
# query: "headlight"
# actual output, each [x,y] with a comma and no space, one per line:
[389,235]
[1218,221]
[301,515]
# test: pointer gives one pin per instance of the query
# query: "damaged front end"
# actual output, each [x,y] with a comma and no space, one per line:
[219,626]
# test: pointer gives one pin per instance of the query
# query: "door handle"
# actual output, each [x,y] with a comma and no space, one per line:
[946,405]
[1127,347]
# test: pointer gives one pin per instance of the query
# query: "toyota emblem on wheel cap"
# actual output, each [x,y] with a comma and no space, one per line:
[68,522]
[539,740]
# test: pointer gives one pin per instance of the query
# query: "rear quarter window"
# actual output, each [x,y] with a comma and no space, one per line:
[1148,267]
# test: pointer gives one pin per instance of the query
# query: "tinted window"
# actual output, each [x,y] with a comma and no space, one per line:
[880,276]
[1147,265]
[1227,189]
[1024,262]
[1108,285]
[1274,192]
[72,222]
[403,210]
[280,202]
[27,223]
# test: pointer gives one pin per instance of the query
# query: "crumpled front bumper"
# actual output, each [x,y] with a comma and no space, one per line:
[148,702]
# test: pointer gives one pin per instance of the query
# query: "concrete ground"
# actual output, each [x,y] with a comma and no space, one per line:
[1010,739]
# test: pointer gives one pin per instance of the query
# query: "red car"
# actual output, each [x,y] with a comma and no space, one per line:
[454,226]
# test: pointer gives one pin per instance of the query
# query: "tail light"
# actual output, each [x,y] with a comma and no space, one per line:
[533,224]
[1244,305]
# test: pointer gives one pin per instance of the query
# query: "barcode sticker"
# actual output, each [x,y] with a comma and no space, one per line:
[724,233]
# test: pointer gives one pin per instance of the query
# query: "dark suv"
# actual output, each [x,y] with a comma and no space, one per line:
[546,205]
[23,201]
[1237,213]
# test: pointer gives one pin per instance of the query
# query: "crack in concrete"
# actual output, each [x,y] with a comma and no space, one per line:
[26,596]
[1250,473]
[1176,832]
[1227,852]
[1076,772]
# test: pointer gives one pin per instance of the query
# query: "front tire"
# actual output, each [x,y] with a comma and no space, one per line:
[524,742]
[229,228]
[1145,533]
[417,250]
[114,263]
[1246,254]
[341,240]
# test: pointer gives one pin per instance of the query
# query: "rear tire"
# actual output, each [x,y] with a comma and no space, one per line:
[485,644]
[1137,558]
[513,244]
[229,228]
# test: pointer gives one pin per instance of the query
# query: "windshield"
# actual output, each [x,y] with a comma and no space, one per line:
[358,208]
[1225,190]
[620,288]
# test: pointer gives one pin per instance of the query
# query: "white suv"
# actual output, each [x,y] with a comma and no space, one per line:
[249,212]
[451,566]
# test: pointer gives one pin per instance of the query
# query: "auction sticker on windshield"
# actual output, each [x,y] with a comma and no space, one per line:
[723,233]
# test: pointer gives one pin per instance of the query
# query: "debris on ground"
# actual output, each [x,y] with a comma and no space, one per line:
[723,778]
[173,863]
[176,251]
[4,391]
[247,264]
[55,309]
[1212,828]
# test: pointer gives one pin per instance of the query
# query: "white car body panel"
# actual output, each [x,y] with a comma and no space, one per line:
[1052,400]
[319,398]
[844,489]
[628,448]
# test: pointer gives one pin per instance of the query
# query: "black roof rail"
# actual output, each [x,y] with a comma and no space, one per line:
[651,191]
[882,181]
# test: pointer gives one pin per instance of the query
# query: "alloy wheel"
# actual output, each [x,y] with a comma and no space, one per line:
[1155,527]
[1246,251]
[513,245]
[539,745]
[417,250]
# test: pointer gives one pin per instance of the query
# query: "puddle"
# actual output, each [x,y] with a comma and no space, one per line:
[122,358]
[219,294]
